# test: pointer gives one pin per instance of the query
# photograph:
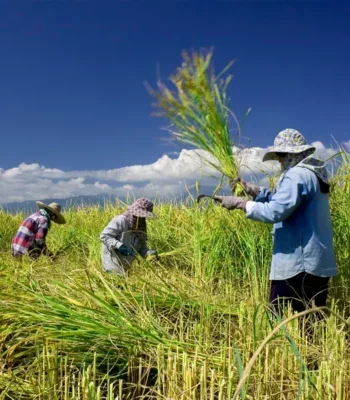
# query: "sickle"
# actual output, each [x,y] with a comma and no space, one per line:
[201,196]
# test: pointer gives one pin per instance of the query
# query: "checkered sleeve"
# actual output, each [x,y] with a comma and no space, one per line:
[42,229]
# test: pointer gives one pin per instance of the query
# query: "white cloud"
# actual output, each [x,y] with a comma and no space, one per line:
[166,177]
[346,145]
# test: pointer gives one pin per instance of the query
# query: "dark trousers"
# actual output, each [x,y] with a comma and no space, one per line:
[300,291]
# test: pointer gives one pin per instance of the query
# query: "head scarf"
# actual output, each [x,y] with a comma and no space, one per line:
[136,215]
[137,225]
[48,215]
[292,159]
[306,160]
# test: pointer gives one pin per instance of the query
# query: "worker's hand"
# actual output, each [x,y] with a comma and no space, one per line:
[233,202]
[153,256]
[49,254]
[125,250]
[250,188]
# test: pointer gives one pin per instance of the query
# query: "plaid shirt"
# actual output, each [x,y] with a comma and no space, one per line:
[31,234]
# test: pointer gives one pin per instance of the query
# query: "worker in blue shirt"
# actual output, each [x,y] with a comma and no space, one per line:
[303,255]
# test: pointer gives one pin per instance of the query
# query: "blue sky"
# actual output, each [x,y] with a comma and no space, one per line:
[72,93]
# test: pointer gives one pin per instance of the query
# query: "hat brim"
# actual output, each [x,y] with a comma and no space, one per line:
[143,214]
[271,154]
[59,217]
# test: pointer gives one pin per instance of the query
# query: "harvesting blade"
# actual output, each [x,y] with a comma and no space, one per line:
[202,196]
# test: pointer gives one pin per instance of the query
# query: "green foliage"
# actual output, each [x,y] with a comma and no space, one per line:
[198,109]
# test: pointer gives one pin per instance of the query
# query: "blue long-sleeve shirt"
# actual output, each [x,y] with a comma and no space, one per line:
[302,230]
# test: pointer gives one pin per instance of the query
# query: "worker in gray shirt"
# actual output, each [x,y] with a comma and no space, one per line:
[125,236]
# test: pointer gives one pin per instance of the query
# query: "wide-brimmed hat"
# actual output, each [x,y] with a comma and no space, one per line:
[288,141]
[142,208]
[55,208]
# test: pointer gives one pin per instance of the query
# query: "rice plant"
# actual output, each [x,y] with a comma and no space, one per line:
[195,325]
[197,106]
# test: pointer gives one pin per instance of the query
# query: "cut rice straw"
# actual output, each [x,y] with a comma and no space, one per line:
[198,110]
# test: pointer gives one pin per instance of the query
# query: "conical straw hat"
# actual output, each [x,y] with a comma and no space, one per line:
[56,209]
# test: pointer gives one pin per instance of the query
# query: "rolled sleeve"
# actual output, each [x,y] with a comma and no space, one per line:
[283,203]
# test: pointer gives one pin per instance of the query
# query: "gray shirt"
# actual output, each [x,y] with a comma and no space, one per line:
[112,237]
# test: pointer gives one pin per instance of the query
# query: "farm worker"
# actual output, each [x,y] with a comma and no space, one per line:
[31,235]
[125,236]
[303,255]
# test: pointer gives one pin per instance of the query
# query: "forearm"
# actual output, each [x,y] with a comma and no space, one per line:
[111,235]
[41,248]
[110,242]
[145,251]
[280,207]
[264,212]
[40,236]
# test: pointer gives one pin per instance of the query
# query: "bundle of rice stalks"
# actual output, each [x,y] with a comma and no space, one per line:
[197,107]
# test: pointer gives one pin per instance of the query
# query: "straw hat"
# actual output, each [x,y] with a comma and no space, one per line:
[142,208]
[288,141]
[54,208]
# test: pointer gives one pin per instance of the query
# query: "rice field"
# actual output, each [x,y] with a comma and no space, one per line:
[194,325]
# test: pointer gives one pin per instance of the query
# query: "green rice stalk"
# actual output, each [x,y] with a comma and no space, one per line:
[198,109]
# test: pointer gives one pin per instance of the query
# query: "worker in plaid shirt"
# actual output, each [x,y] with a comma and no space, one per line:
[31,235]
